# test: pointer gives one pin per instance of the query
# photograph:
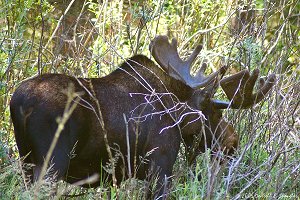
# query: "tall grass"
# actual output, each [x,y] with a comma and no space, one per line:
[250,34]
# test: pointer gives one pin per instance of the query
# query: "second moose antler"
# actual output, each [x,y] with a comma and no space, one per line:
[239,88]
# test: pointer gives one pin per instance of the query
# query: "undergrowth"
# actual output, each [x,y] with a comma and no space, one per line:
[35,39]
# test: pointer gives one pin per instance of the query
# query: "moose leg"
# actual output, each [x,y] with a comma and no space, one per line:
[58,163]
[163,151]
[164,165]
[41,136]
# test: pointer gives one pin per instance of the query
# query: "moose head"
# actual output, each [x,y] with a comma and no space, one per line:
[238,88]
[133,119]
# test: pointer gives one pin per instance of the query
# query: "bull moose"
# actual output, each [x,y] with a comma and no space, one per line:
[140,111]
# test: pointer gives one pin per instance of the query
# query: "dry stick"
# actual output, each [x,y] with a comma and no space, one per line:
[159,11]
[206,30]
[258,176]
[110,155]
[58,24]
[89,35]
[93,28]
[54,32]
[41,40]
[274,45]
[76,23]
[137,137]
[128,146]
[62,121]
[78,51]
[278,36]
[206,157]
[65,193]
[136,147]
[104,17]
[89,180]
[128,152]
[23,174]
[165,194]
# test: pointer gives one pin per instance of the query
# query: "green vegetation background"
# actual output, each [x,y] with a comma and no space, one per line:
[250,34]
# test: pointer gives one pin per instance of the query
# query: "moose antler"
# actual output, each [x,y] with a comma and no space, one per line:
[239,89]
[166,55]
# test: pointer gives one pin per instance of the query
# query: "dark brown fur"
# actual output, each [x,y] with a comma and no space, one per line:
[37,103]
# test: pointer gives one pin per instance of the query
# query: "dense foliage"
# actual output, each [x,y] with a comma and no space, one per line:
[264,34]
